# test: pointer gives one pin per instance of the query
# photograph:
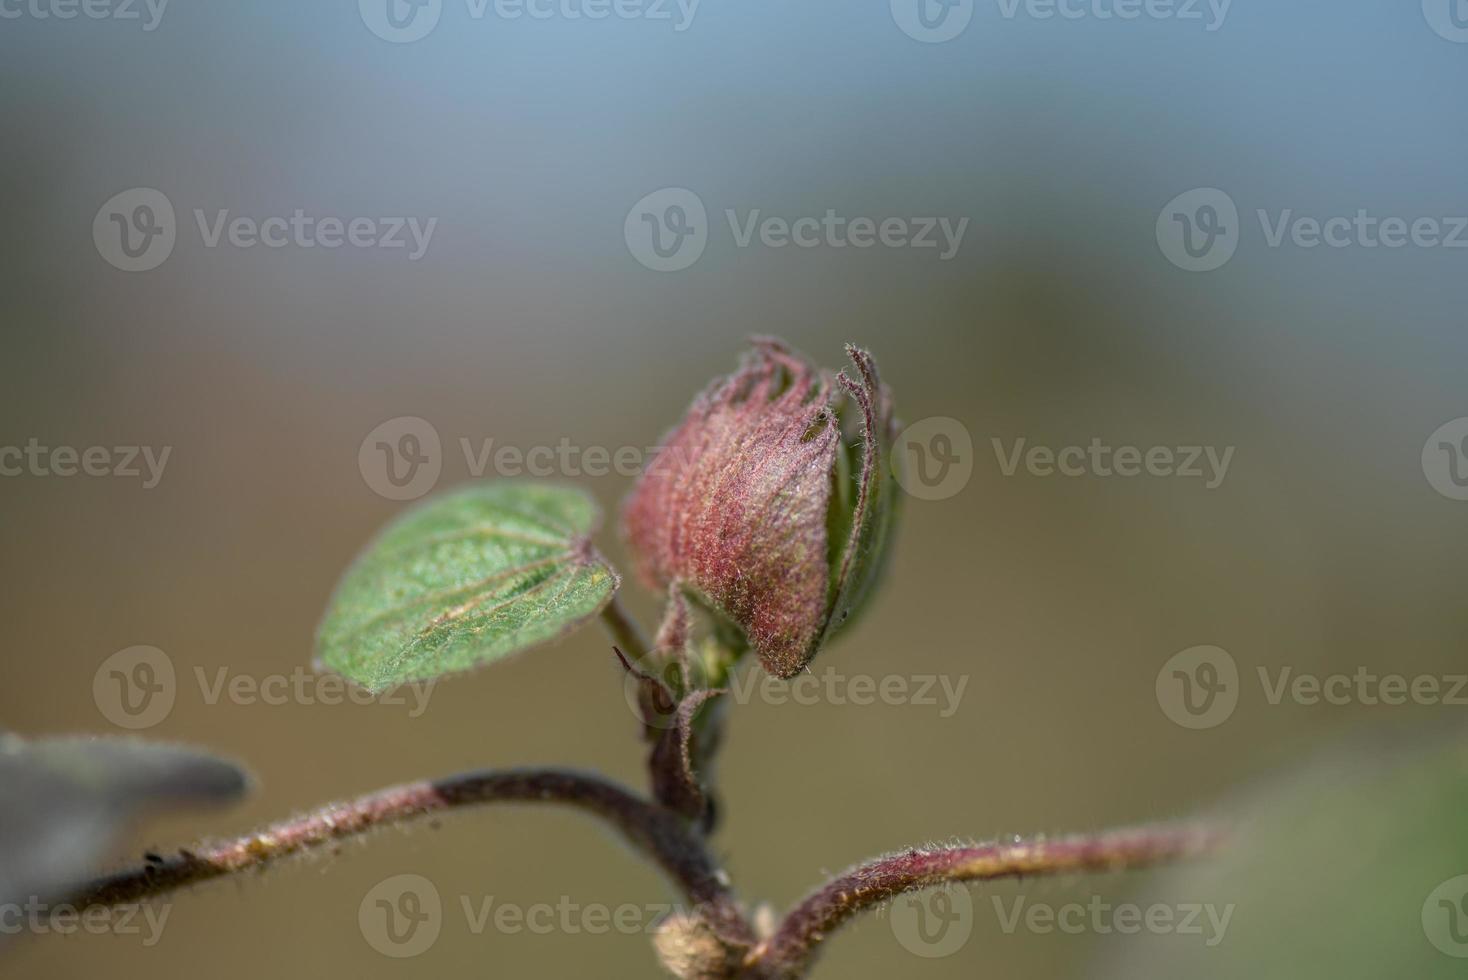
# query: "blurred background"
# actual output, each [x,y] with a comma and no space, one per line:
[1096,293]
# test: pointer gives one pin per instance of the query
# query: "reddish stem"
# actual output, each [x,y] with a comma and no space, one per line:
[656,832]
[788,953]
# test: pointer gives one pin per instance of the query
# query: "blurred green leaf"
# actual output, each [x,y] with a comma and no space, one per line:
[466,579]
[1355,868]
[64,801]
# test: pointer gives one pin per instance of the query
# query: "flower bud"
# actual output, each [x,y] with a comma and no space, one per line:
[763,508]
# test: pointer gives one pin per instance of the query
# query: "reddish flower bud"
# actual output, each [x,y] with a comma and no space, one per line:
[758,505]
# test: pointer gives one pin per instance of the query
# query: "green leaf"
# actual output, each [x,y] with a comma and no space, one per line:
[1355,868]
[64,801]
[465,579]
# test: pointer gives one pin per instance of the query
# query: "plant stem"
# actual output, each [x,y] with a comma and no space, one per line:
[624,629]
[661,835]
[678,848]
[788,953]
